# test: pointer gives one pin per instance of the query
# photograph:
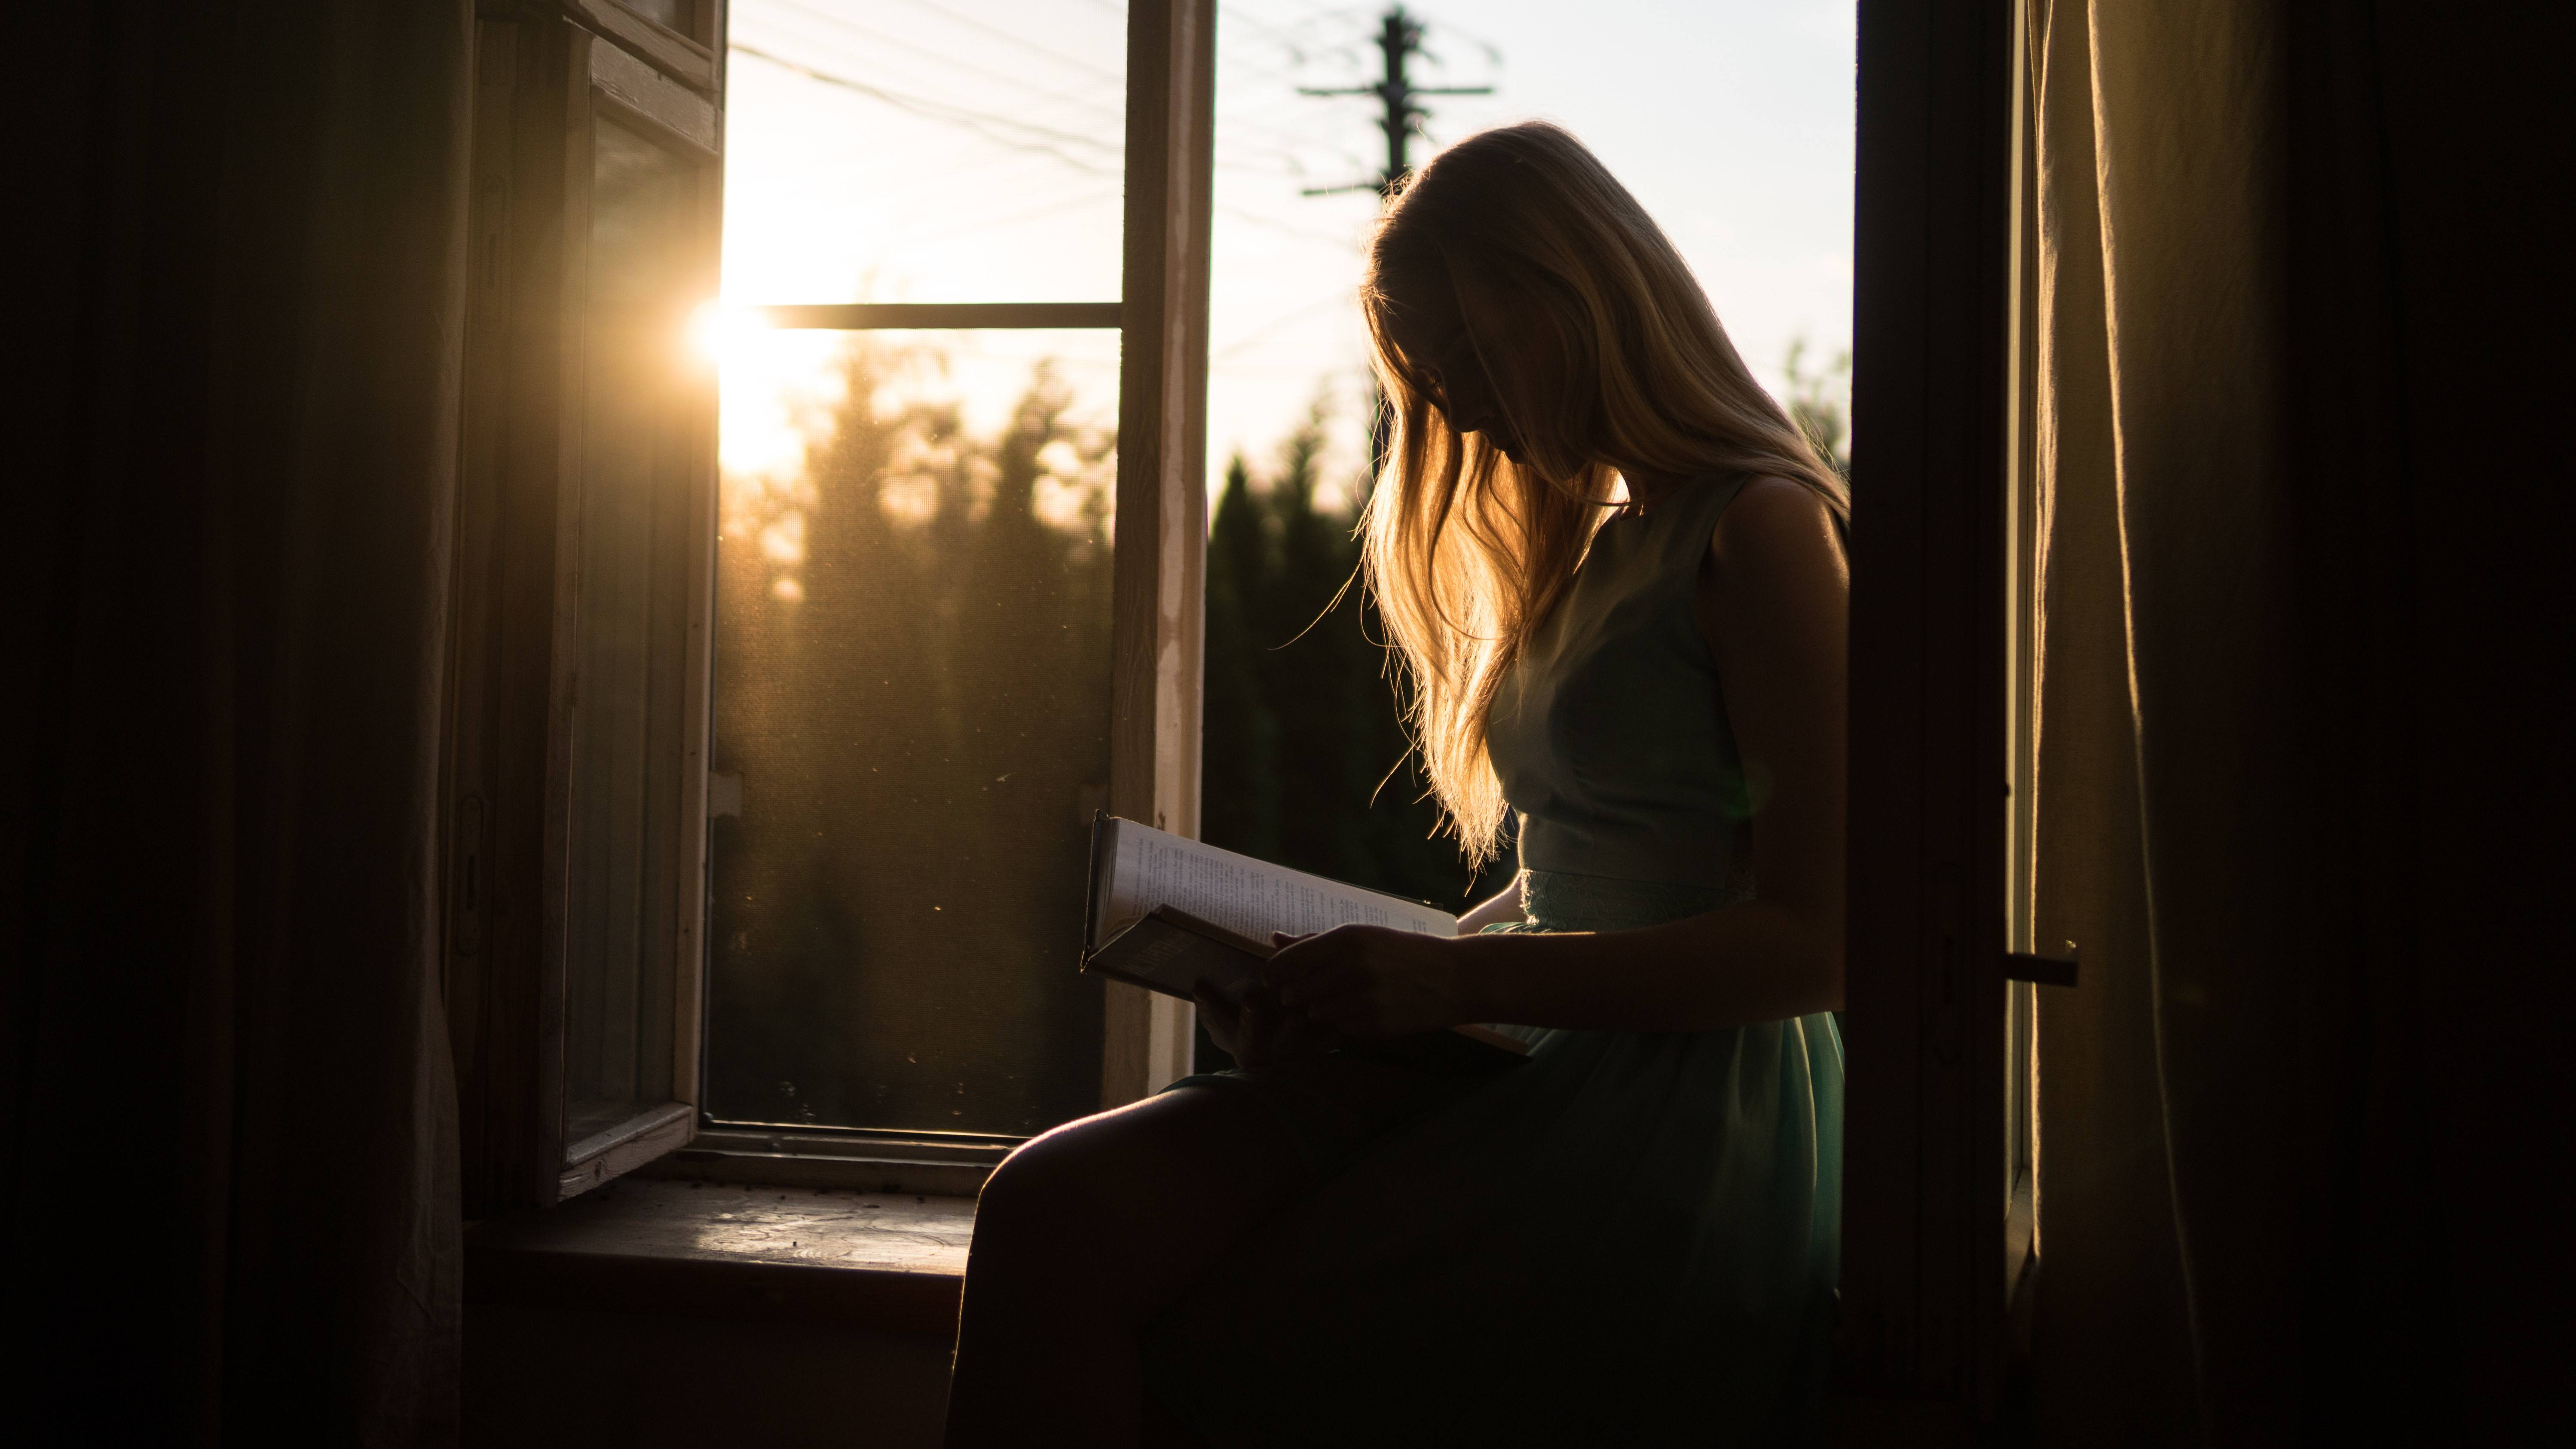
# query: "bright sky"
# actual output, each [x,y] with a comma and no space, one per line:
[968,150]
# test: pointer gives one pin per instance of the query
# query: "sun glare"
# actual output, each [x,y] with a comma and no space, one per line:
[770,381]
[724,334]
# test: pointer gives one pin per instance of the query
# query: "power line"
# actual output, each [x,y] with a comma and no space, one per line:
[1238,123]
[1282,227]
[980,122]
[1276,324]
[1020,218]
[1237,15]
[943,58]
[1493,52]
[998,33]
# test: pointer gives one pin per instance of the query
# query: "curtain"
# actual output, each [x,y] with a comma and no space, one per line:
[229,1122]
[2292,755]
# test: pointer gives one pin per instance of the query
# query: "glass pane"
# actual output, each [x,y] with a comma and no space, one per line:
[912,707]
[924,150]
[639,450]
[677,14]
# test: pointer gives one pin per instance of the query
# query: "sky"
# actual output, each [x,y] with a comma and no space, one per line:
[968,151]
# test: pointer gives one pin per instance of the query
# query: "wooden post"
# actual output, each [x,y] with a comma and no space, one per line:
[1161,556]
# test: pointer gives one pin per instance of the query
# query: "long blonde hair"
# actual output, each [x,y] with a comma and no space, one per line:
[1467,551]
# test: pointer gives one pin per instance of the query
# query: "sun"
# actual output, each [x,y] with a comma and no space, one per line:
[770,382]
[726,335]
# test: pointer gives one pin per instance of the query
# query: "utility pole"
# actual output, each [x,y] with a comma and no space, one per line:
[1399,40]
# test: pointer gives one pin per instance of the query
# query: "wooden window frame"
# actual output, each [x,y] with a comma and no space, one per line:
[2023,518]
[1920,1352]
[689,54]
[546,73]
[1159,571]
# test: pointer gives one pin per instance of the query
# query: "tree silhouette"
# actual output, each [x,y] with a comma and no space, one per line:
[1238,801]
[915,701]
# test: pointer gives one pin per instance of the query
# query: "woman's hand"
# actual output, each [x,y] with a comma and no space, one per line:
[1369,981]
[1260,1030]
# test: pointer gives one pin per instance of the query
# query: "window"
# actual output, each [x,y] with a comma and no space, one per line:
[1010,600]
[587,673]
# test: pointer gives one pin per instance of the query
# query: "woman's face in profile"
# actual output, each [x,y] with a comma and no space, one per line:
[1427,325]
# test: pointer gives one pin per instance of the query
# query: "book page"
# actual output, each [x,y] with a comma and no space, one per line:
[1146,868]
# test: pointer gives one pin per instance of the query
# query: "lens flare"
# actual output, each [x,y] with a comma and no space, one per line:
[724,335]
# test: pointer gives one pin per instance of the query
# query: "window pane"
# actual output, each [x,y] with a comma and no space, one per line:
[924,150]
[638,455]
[912,707]
[673,13]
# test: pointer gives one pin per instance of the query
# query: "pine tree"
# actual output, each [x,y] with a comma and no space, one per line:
[1307,680]
[1238,780]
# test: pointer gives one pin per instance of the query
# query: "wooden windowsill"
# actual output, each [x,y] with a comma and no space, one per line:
[889,1262]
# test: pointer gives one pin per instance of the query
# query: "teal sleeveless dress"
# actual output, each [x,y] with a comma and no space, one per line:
[1629,1238]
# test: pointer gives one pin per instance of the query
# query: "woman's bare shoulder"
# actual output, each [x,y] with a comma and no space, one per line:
[1776,522]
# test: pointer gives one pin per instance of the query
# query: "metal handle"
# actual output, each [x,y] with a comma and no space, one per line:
[2041,970]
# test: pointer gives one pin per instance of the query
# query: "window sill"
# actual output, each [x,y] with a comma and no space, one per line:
[892,1263]
[885,1163]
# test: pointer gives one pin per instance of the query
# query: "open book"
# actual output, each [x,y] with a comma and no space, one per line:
[1176,916]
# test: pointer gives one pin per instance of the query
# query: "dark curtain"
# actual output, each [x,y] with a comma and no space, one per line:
[2304,722]
[225,1106]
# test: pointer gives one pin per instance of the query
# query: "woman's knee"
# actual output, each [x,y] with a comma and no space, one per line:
[1121,1211]
[1020,1184]
[1052,1184]
[1179,1164]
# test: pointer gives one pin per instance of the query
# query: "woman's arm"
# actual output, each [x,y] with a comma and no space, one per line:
[1502,908]
[1772,606]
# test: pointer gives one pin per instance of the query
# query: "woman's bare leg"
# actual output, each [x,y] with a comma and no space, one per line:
[1081,1237]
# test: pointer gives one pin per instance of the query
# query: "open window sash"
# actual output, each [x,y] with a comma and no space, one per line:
[575,787]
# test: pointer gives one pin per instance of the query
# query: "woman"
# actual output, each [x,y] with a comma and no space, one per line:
[1629,1236]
